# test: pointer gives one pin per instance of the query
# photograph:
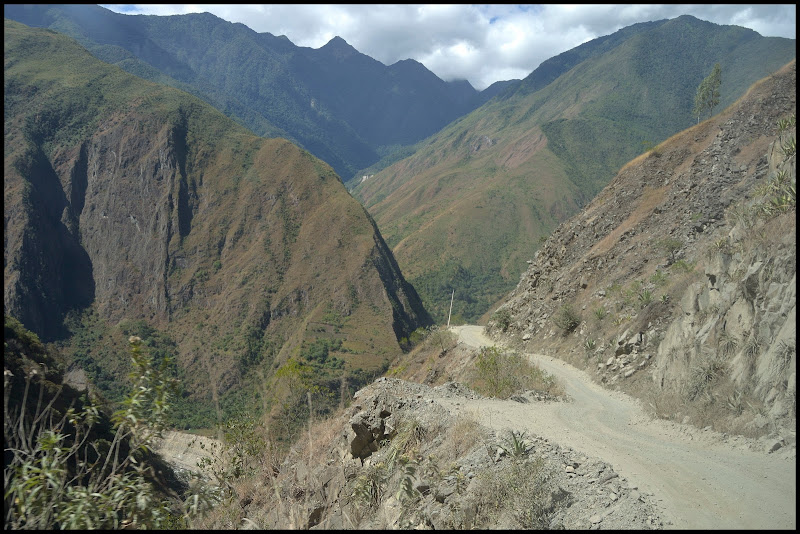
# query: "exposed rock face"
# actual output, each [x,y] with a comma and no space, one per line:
[47,271]
[685,265]
[157,207]
[394,424]
[748,303]
[136,200]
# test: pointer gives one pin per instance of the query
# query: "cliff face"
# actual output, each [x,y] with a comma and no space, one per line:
[746,307]
[147,204]
[677,282]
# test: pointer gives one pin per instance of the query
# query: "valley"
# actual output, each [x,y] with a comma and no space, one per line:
[478,198]
[196,272]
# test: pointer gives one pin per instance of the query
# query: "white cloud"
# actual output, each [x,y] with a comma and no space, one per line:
[480,43]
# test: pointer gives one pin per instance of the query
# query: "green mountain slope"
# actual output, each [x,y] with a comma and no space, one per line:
[134,208]
[470,206]
[677,282]
[343,106]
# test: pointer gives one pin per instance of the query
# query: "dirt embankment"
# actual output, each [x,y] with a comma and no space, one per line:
[184,451]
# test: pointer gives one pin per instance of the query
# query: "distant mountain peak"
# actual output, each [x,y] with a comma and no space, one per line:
[461,83]
[339,46]
[407,61]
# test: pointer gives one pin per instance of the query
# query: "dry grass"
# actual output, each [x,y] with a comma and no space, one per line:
[649,200]
[514,496]
[464,435]
[502,375]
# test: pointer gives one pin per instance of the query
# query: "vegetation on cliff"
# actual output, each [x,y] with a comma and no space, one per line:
[137,209]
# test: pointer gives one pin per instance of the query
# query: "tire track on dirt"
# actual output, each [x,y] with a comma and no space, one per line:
[699,480]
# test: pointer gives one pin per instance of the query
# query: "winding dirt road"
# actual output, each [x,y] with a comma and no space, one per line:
[699,479]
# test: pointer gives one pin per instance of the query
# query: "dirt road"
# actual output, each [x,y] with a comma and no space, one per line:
[700,479]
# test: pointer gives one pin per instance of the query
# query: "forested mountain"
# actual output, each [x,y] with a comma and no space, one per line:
[342,106]
[471,205]
[133,208]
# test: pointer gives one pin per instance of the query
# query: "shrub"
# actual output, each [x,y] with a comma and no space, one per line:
[659,278]
[461,437]
[370,486]
[502,375]
[59,474]
[441,338]
[670,245]
[567,319]
[520,489]
[502,318]
[683,266]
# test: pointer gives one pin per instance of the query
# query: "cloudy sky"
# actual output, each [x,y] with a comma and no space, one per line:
[480,43]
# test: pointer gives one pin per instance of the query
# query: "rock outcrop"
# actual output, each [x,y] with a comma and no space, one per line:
[681,274]
[401,460]
[147,204]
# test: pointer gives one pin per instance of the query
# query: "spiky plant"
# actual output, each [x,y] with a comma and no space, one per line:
[728,343]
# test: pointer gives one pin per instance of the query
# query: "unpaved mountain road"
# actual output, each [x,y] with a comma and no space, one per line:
[700,479]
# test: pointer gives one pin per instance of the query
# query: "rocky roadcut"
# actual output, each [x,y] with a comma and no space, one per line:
[586,492]
[700,479]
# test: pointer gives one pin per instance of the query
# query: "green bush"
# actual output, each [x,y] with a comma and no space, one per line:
[670,245]
[60,475]
[567,319]
[501,375]
[442,338]
[502,318]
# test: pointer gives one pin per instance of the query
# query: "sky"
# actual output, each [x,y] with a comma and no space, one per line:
[480,43]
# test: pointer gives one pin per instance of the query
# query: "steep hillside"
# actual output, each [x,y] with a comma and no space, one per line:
[133,208]
[343,106]
[465,210]
[677,283]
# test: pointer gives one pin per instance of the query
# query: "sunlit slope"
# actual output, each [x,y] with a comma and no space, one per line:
[470,206]
[127,202]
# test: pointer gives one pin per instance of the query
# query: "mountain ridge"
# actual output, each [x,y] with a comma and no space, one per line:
[543,155]
[657,287]
[202,54]
[174,223]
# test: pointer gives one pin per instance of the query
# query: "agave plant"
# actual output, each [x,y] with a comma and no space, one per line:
[789,147]
[728,343]
[787,122]
[516,445]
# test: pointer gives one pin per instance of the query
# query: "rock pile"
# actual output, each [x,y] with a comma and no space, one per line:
[573,490]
